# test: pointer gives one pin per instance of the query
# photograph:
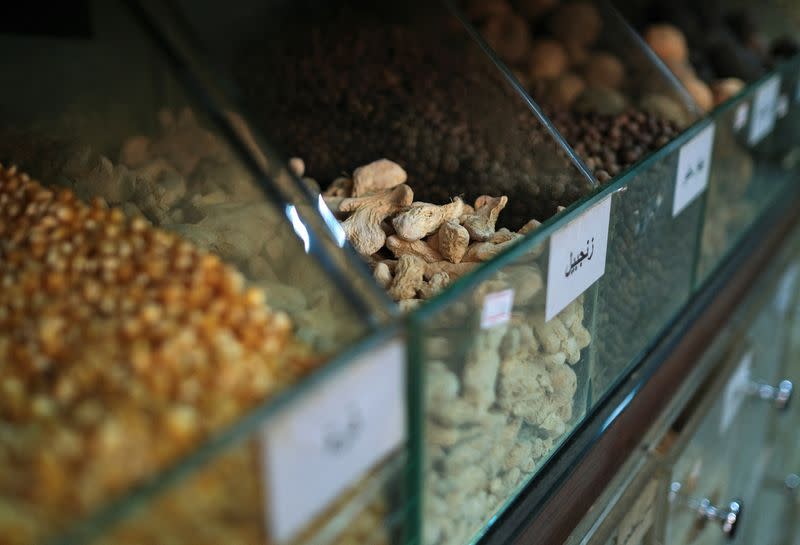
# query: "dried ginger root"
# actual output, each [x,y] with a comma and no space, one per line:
[381,220]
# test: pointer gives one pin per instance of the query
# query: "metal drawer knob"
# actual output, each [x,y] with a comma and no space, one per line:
[727,516]
[780,395]
[792,483]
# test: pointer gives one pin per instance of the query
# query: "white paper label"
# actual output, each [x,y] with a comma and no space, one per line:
[577,257]
[782,107]
[694,166]
[740,117]
[497,308]
[735,392]
[330,437]
[764,107]
[783,295]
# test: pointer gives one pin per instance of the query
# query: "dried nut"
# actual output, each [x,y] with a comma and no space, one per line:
[408,278]
[453,241]
[480,225]
[363,227]
[604,70]
[576,22]
[548,60]
[436,284]
[532,9]
[600,100]
[577,52]
[454,270]
[422,219]
[382,275]
[701,94]
[377,176]
[566,89]
[682,70]
[665,108]
[340,187]
[509,36]
[668,42]
[297,166]
[724,89]
[418,248]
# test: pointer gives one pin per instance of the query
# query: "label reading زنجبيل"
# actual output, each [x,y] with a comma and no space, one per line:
[328,438]
[694,166]
[764,110]
[577,257]
[735,392]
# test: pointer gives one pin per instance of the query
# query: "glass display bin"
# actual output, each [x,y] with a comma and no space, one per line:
[427,97]
[727,56]
[614,103]
[464,128]
[163,290]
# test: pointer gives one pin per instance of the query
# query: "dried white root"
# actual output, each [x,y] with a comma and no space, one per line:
[363,227]
[378,175]
[422,219]
[481,223]
[380,218]
[452,241]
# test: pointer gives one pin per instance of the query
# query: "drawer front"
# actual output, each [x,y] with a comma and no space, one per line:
[724,450]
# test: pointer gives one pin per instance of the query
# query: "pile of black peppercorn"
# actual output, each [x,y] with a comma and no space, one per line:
[648,270]
[608,144]
[346,90]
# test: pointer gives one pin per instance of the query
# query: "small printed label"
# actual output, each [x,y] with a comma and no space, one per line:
[331,436]
[694,166]
[577,257]
[497,308]
[735,392]
[740,116]
[764,110]
[786,286]
[782,108]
